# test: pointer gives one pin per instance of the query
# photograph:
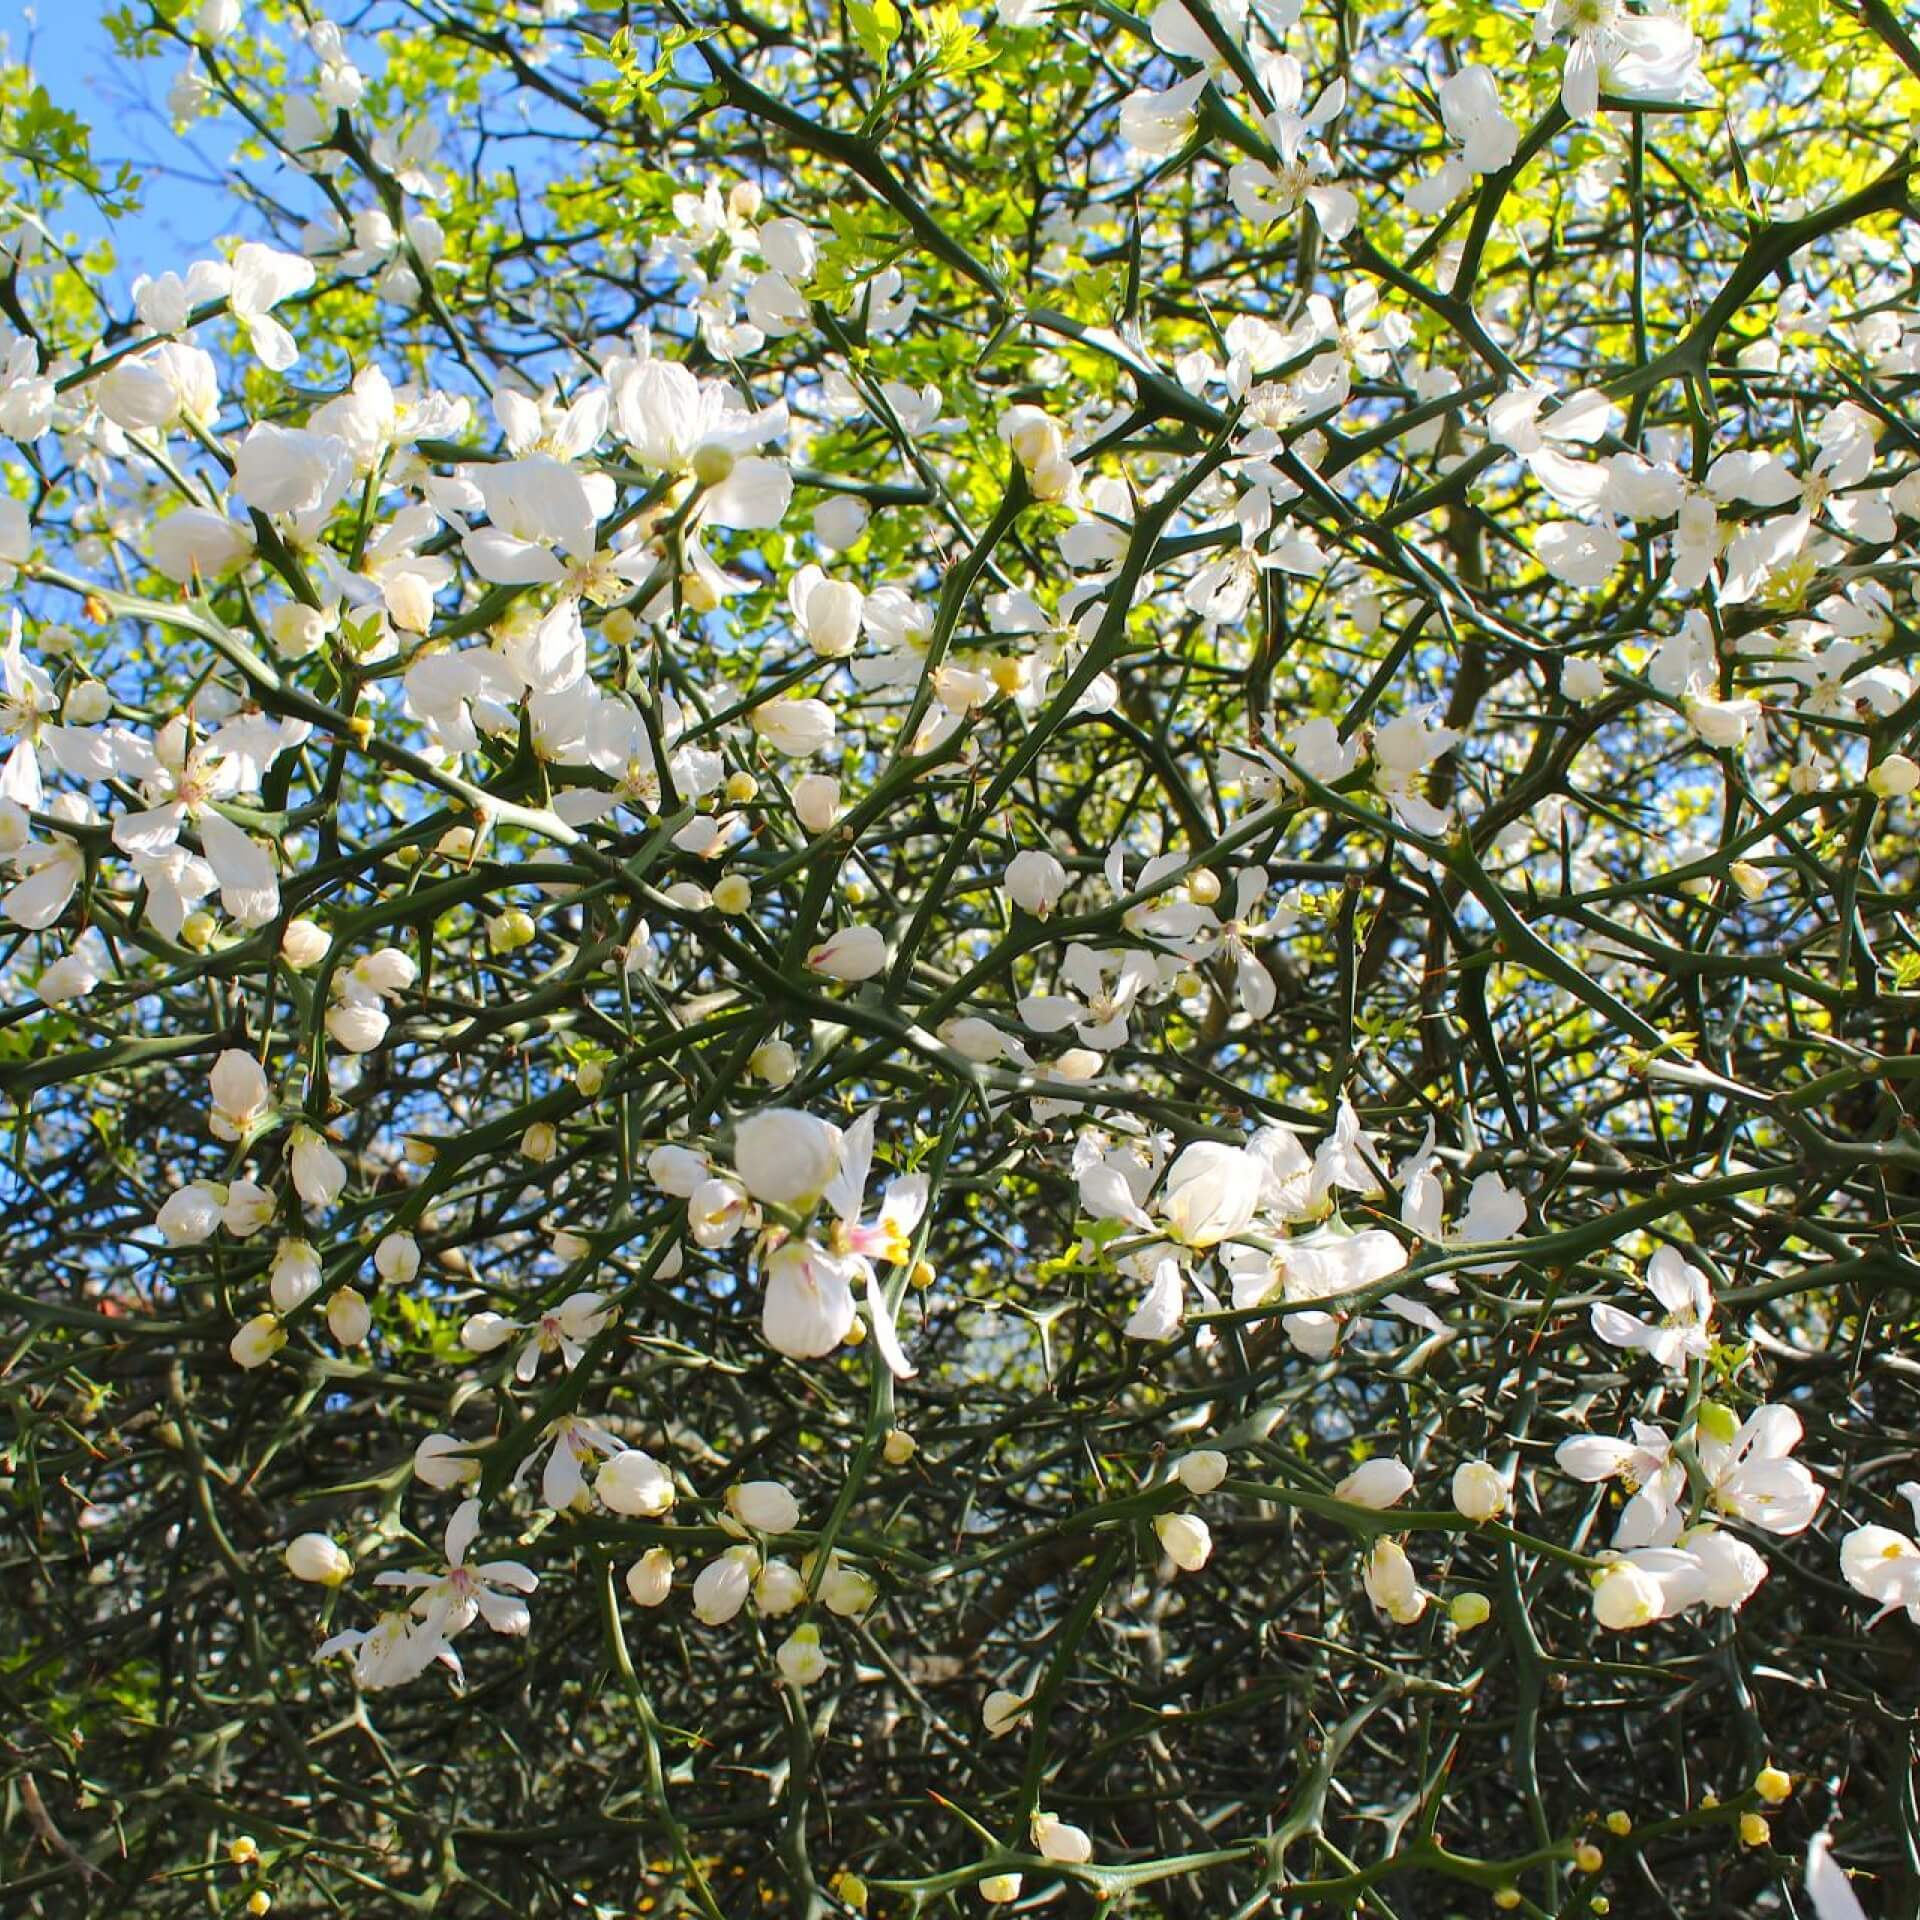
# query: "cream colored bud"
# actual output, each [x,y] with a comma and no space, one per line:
[1894,777]
[349,1319]
[732,895]
[898,1447]
[1479,1490]
[650,1578]
[321,1562]
[540,1142]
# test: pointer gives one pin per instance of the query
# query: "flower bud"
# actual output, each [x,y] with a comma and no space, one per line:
[898,1447]
[1000,1889]
[1469,1610]
[732,895]
[1056,1839]
[1203,887]
[854,953]
[315,1558]
[800,1658]
[396,1259]
[1479,1490]
[442,1463]
[764,1505]
[540,1142]
[1201,1471]
[775,1062]
[778,1589]
[511,930]
[785,1156]
[1035,881]
[650,1578]
[816,801]
[304,944]
[1894,777]
[1185,1538]
[487,1332]
[1754,1831]
[293,1278]
[1626,1597]
[349,1319]
[720,1589]
[257,1341]
[636,1484]
[1375,1483]
[1772,1785]
[1001,1712]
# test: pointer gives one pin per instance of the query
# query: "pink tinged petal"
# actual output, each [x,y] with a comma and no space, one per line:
[508,1573]
[461,1530]
[503,1613]
[886,1335]
[846,1192]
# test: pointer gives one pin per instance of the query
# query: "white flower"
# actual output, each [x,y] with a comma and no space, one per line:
[195,544]
[1212,1192]
[1107,985]
[262,278]
[809,1309]
[1681,1335]
[392,1652]
[286,470]
[1751,1477]
[1161,123]
[451,1597]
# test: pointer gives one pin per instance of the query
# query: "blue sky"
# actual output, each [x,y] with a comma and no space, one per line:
[73,57]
